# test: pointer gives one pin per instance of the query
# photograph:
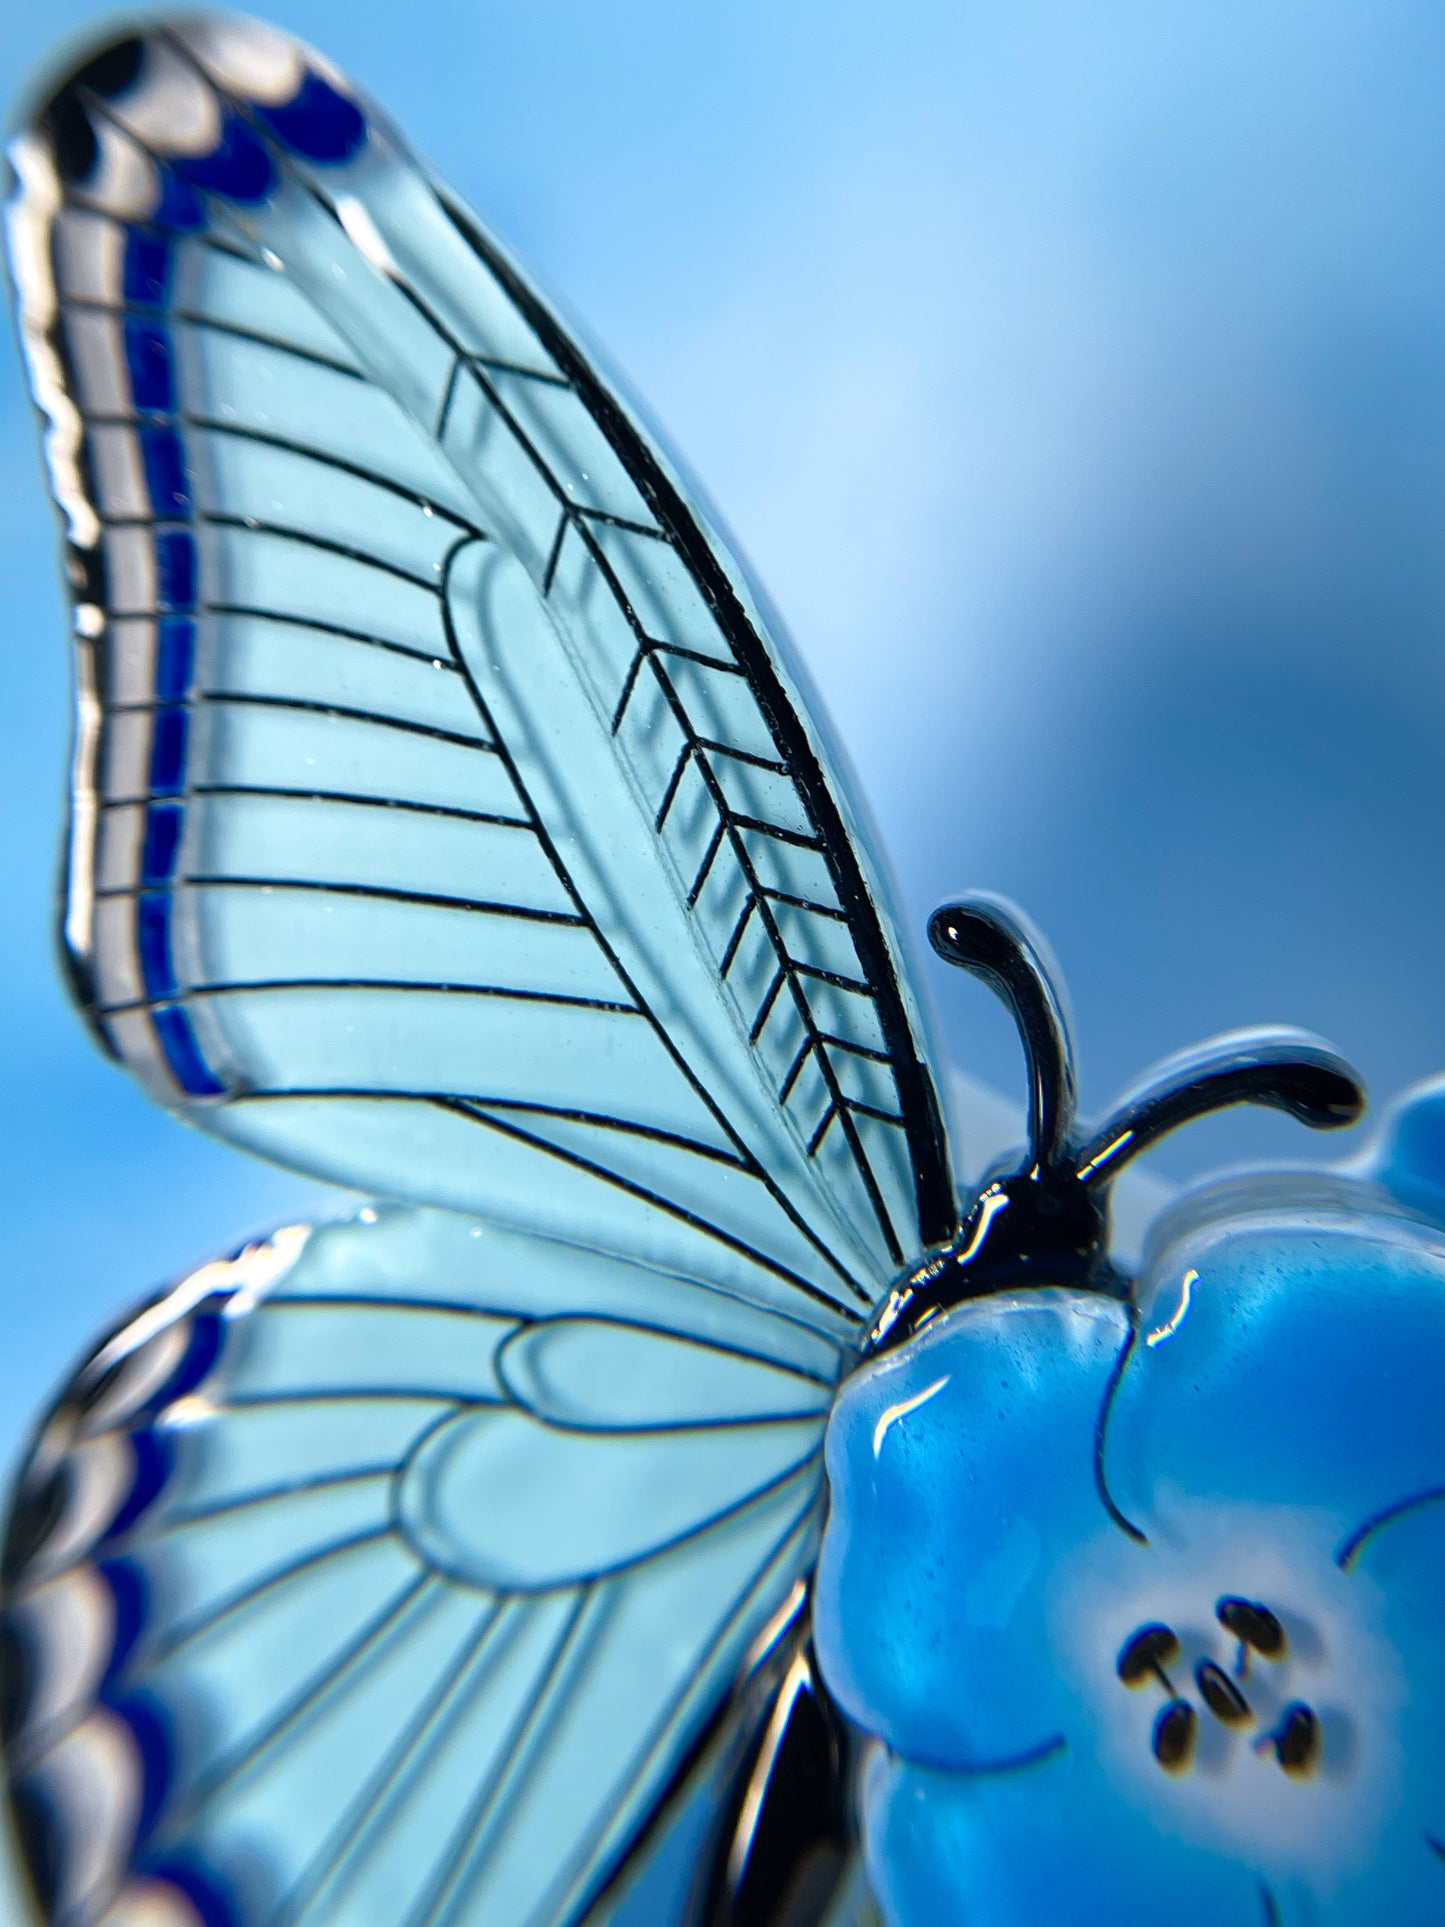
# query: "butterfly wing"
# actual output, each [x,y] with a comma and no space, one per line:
[387,1572]
[447,822]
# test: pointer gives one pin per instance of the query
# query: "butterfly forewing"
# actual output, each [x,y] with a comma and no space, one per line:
[446,822]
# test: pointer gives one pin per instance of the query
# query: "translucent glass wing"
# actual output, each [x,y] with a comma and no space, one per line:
[446,820]
[386,1573]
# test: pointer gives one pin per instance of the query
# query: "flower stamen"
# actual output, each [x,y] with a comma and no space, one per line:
[1297,1740]
[1252,1624]
[1221,1695]
[1174,1733]
[1146,1654]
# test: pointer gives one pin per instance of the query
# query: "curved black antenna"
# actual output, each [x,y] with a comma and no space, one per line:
[994,941]
[1289,1070]
[1047,1223]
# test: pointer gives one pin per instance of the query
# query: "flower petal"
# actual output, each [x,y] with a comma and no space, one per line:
[1402,1559]
[1056,1843]
[961,1470]
[1047,1844]
[1289,1364]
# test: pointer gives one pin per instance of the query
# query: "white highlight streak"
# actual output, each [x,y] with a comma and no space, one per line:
[29,220]
[364,235]
[902,1409]
[1186,1292]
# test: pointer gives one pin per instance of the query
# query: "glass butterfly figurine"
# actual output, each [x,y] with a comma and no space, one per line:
[673,1501]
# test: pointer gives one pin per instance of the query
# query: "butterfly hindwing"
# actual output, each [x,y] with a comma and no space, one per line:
[447,821]
[333,1598]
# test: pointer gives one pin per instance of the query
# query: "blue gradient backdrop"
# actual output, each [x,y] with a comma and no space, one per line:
[1075,378]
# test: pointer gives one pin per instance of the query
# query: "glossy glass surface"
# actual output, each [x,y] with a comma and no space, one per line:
[404,1554]
[447,822]
[1142,1598]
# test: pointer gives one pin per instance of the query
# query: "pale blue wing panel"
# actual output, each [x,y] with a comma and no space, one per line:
[388,1573]
[447,820]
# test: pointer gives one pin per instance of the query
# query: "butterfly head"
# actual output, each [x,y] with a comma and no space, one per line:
[1046,1220]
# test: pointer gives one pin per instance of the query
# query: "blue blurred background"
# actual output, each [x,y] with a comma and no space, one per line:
[1074,377]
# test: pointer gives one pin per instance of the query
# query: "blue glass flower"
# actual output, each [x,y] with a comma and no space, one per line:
[1144,1601]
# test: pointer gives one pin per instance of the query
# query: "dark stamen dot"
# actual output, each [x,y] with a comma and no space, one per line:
[1174,1736]
[1151,1648]
[1256,1625]
[1221,1695]
[1297,1739]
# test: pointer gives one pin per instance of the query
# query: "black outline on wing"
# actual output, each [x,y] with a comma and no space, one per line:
[747,655]
[198,1344]
[937,1202]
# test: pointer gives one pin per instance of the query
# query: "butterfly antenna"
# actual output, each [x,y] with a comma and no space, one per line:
[991,939]
[1047,1222]
[1286,1070]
